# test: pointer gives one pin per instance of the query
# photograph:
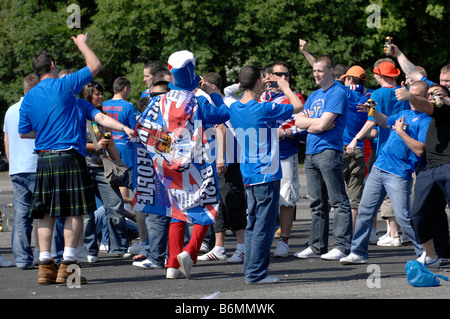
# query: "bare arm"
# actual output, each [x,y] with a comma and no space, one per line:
[315,125]
[6,141]
[410,69]
[417,147]
[92,62]
[109,122]
[31,134]
[421,104]
[309,57]
[365,132]
[293,99]
[221,142]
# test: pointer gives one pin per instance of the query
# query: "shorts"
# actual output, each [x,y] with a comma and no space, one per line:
[232,212]
[354,170]
[63,186]
[290,183]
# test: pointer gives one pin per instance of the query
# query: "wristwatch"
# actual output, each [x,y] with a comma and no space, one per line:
[283,135]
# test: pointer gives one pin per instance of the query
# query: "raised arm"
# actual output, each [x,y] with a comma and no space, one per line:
[407,67]
[293,98]
[309,57]
[92,62]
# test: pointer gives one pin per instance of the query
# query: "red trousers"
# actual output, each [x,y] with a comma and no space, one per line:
[176,242]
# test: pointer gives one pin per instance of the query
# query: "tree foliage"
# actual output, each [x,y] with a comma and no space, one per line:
[223,35]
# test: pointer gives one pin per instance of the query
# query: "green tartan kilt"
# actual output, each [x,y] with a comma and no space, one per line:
[63,186]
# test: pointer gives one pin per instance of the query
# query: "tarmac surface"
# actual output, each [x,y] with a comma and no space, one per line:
[113,277]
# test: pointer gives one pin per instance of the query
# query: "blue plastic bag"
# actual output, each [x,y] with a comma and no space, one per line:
[419,275]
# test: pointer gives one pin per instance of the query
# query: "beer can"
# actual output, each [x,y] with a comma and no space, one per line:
[371,107]
[107,135]
[438,102]
[387,45]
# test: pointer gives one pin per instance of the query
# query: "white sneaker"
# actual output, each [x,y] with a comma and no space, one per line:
[204,247]
[238,257]
[352,259]
[307,253]
[5,262]
[186,263]
[213,255]
[173,273]
[83,256]
[136,248]
[428,261]
[146,264]
[388,241]
[104,248]
[334,254]
[282,250]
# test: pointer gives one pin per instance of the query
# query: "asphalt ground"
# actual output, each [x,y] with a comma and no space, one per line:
[113,277]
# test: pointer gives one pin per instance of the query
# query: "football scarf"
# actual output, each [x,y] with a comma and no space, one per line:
[172,173]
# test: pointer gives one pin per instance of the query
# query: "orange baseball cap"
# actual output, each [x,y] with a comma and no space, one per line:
[387,69]
[356,71]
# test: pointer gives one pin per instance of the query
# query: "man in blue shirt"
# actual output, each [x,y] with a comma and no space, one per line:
[256,129]
[385,74]
[324,118]
[53,115]
[391,174]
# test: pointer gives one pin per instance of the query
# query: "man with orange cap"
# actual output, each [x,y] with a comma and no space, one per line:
[385,73]
[354,161]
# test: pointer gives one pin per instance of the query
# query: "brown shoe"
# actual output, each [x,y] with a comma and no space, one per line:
[47,272]
[63,273]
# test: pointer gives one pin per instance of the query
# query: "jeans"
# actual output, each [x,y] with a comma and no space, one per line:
[263,205]
[101,226]
[325,181]
[158,233]
[23,186]
[115,217]
[378,184]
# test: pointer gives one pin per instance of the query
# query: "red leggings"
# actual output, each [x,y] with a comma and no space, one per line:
[176,241]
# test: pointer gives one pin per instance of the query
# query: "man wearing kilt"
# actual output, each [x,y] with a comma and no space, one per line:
[53,115]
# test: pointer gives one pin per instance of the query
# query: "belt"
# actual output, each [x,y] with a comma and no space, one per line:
[42,153]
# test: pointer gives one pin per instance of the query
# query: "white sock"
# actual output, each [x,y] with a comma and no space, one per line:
[70,254]
[44,255]
[218,249]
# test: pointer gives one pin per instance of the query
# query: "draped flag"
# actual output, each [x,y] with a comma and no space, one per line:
[289,124]
[173,174]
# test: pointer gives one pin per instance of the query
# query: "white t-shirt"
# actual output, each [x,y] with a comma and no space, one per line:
[22,158]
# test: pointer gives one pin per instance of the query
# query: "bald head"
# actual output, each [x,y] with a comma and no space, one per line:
[419,88]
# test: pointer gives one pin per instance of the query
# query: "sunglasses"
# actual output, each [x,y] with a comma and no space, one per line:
[286,74]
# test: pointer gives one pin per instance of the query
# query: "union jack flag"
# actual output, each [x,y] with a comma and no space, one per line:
[173,175]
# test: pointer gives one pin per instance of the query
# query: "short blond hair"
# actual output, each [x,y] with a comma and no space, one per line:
[30,82]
